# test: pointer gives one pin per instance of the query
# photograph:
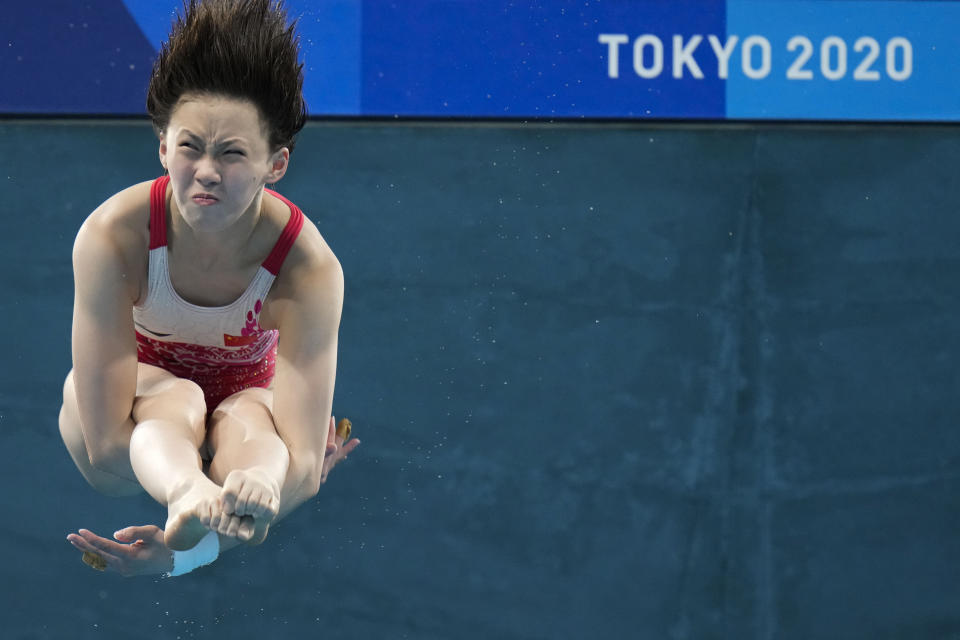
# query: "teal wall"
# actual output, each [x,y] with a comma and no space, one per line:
[612,381]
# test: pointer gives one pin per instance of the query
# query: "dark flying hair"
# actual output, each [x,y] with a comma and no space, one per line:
[237,48]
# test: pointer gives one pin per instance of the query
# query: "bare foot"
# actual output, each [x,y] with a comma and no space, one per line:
[259,532]
[240,527]
[190,507]
[250,492]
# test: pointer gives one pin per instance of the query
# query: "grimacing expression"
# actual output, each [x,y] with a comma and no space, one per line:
[217,153]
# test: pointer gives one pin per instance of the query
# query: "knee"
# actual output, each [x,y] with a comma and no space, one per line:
[175,400]
[245,416]
[69,425]
[245,403]
[69,391]
[186,392]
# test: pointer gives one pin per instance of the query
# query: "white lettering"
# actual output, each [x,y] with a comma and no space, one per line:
[638,46]
[683,57]
[906,50]
[747,55]
[613,42]
[723,54]
[833,43]
[796,70]
[757,57]
[863,70]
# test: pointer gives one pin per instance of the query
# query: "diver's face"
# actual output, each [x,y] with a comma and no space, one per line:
[218,156]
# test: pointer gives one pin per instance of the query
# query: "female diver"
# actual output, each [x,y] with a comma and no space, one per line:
[206,308]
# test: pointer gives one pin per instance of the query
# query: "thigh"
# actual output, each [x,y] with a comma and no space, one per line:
[248,412]
[154,387]
[163,396]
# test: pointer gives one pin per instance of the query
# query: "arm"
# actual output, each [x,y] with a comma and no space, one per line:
[104,345]
[308,319]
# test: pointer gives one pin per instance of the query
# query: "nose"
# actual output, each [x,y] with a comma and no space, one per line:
[206,171]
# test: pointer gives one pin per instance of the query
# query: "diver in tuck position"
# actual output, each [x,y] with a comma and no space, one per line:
[207,308]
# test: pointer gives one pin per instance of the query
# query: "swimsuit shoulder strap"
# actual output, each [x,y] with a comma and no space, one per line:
[158,212]
[287,237]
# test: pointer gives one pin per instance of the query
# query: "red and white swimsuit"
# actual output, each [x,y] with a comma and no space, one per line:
[222,349]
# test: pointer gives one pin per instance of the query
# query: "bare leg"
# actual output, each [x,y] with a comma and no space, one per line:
[170,428]
[181,402]
[249,459]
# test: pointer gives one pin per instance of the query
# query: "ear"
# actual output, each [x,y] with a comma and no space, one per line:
[163,152]
[279,162]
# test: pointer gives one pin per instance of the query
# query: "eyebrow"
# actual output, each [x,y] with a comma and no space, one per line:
[221,143]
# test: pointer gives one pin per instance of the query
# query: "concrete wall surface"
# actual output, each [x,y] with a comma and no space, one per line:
[618,381]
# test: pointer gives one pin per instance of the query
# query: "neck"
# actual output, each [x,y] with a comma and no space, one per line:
[211,247]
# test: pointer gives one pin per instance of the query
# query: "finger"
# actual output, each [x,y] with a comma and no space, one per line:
[350,446]
[331,438]
[343,453]
[99,558]
[101,544]
[123,535]
[81,544]
[132,534]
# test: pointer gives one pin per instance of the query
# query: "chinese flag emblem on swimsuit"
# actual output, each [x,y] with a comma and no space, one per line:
[238,341]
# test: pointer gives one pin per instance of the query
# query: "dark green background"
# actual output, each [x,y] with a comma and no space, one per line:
[621,381]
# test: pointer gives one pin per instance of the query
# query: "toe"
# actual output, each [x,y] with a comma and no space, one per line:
[246,528]
[233,527]
[228,500]
[259,503]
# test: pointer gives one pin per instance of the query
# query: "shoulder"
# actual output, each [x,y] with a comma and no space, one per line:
[310,281]
[121,222]
[116,237]
[310,262]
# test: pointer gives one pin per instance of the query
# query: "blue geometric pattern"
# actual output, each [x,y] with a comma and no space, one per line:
[684,59]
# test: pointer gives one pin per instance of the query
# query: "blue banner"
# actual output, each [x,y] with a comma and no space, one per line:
[845,60]
[664,59]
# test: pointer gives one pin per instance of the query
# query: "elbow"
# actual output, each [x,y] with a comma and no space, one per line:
[98,459]
[315,479]
[312,486]
[106,458]
[310,472]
